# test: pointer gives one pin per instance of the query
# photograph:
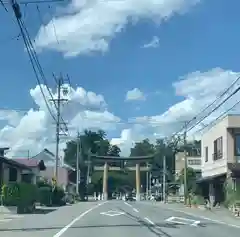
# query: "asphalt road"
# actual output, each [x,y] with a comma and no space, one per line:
[116,219]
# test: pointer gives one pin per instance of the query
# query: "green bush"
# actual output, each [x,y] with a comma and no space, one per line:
[15,194]
[10,195]
[45,195]
[57,196]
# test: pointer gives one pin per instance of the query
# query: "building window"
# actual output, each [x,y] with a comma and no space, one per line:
[237,145]
[206,154]
[27,178]
[194,162]
[218,149]
[12,174]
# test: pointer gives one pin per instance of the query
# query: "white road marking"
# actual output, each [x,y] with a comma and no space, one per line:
[64,229]
[203,217]
[183,221]
[170,218]
[149,221]
[196,223]
[5,220]
[112,213]
[128,204]
[136,210]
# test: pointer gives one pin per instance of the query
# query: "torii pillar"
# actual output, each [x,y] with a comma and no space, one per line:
[105,182]
[138,182]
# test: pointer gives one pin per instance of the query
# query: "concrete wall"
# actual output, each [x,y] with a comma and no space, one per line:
[6,174]
[19,174]
[192,162]
[62,175]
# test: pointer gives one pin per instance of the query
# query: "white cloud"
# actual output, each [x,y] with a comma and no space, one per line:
[88,26]
[154,43]
[199,89]
[135,94]
[35,130]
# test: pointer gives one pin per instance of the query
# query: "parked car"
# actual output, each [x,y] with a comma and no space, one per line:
[129,197]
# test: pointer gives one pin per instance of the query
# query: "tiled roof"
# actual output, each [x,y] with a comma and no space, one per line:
[28,162]
[14,163]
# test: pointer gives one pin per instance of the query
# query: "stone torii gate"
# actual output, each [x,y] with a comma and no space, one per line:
[113,159]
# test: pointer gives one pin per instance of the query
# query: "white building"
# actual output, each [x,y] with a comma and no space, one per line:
[221,154]
[193,161]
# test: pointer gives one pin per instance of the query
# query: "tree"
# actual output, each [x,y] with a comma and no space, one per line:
[91,141]
[167,149]
[191,179]
[143,148]
[114,150]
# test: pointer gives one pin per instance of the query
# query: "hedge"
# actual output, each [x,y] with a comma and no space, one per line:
[15,194]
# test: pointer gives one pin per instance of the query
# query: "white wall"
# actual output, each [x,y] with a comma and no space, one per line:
[217,167]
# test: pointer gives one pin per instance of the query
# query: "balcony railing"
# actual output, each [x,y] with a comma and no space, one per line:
[217,155]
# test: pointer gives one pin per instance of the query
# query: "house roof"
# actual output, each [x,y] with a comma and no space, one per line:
[14,163]
[28,162]
[48,155]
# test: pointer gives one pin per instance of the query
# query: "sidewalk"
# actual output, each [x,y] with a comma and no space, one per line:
[220,215]
[8,217]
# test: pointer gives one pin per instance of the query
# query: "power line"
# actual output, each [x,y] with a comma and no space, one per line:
[32,55]
[217,107]
[220,116]
[223,93]
[3,5]
[34,1]
[40,68]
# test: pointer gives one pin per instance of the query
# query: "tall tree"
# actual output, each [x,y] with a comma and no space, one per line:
[191,179]
[91,141]
[143,148]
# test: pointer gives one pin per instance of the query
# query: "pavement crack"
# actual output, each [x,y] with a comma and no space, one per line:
[151,227]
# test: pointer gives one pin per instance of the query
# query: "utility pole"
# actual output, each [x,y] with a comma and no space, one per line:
[185,164]
[164,178]
[77,162]
[57,102]
[147,182]
[88,168]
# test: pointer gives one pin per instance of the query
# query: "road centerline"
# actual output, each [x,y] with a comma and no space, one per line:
[64,229]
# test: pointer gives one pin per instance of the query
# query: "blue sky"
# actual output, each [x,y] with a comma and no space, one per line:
[207,36]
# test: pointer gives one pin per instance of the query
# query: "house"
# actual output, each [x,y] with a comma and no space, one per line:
[13,171]
[221,157]
[193,161]
[49,173]
[36,168]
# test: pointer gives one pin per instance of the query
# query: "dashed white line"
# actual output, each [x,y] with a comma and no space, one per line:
[203,217]
[136,210]
[149,221]
[128,204]
[196,223]
[5,220]
[64,229]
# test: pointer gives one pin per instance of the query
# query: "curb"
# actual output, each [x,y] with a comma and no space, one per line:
[8,210]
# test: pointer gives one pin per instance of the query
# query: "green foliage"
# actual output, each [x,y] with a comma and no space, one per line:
[97,143]
[15,194]
[94,142]
[45,195]
[191,179]
[57,196]
[232,195]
